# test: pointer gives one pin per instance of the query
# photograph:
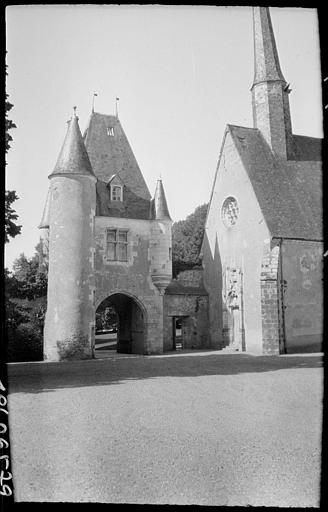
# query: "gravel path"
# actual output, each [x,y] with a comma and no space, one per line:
[201,428]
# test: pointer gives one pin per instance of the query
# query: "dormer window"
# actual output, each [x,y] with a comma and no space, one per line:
[115,187]
[110,132]
[116,193]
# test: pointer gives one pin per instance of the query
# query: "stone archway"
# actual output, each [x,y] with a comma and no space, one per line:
[131,326]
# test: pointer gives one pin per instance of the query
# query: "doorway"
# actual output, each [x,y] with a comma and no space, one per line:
[180,332]
[124,330]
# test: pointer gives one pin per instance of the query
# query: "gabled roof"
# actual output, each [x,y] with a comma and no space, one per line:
[115,179]
[110,153]
[289,193]
[73,157]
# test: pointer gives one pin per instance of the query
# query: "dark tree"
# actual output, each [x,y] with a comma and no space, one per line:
[26,301]
[30,277]
[9,123]
[187,237]
[11,228]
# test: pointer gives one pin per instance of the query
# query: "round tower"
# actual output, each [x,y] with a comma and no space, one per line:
[70,317]
[161,244]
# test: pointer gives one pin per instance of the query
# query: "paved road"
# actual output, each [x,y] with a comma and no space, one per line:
[200,428]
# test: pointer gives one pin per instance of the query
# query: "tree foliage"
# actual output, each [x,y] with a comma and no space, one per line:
[106,316]
[29,278]
[11,228]
[26,297]
[187,236]
[9,124]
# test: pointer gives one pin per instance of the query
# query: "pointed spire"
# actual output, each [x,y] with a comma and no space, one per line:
[161,210]
[271,112]
[73,157]
[46,211]
[266,60]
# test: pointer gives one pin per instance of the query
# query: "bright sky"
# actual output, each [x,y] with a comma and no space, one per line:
[181,73]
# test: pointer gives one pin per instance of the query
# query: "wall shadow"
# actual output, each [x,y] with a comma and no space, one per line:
[45,377]
[213,285]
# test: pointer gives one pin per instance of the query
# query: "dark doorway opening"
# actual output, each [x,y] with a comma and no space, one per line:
[106,326]
[124,325]
[178,331]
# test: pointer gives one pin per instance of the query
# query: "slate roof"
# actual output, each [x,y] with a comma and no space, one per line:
[307,148]
[188,282]
[132,206]
[112,154]
[177,288]
[159,204]
[289,193]
[73,158]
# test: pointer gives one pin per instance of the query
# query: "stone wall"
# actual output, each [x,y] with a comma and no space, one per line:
[186,297]
[238,247]
[270,289]
[133,277]
[302,273]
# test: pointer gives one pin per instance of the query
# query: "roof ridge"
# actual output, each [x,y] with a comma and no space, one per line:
[308,136]
[243,127]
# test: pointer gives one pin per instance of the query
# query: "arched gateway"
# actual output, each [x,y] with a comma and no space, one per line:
[131,321]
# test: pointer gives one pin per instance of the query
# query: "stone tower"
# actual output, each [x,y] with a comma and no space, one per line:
[109,244]
[70,214]
[271,112]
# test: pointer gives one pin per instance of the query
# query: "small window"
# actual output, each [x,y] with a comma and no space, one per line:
[110,132]
[116,193]
[117,245]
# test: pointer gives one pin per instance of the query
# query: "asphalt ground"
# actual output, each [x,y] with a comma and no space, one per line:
[202,428]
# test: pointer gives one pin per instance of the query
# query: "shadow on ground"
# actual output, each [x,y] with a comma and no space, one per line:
[40,377]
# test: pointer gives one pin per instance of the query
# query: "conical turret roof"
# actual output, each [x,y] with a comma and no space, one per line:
[266,60]
[161,210]
[46,211]
[73,157]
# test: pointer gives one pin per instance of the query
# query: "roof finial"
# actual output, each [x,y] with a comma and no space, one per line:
[116,110]
[74,116]
[93,101]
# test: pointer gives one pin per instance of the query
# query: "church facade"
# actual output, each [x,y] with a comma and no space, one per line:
[260,288]
[263,244]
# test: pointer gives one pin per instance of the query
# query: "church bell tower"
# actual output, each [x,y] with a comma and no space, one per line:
[271,112]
